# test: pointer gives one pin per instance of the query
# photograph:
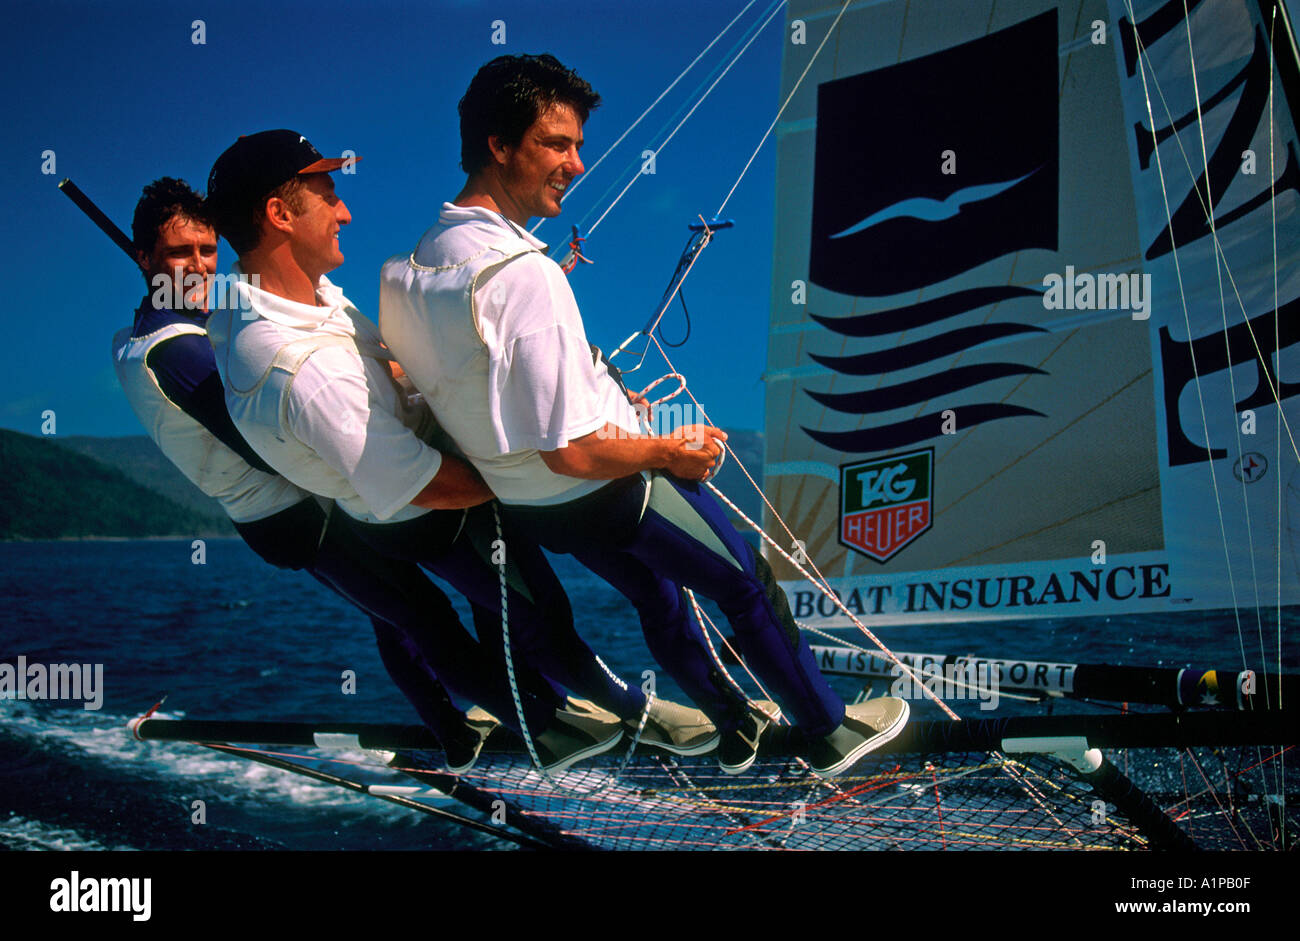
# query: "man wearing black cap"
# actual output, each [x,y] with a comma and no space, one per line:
[165,366]
[311,387]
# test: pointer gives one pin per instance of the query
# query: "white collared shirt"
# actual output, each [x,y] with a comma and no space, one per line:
[489,331]
[342,430]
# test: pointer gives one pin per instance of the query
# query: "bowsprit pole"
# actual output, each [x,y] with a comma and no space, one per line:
[106,225]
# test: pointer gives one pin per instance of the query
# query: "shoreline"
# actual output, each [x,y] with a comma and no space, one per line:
[172,538]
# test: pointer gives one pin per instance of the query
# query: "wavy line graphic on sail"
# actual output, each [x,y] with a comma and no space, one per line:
[934,210]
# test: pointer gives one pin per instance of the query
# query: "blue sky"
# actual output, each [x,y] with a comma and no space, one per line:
[121,95]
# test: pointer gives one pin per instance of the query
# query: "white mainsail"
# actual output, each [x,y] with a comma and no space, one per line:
[993,388]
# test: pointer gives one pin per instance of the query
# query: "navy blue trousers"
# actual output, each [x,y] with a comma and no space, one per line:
[422,642]
[542,635]
[684,538]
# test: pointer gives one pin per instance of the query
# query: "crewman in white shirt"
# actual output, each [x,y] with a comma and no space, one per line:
[311,388]
[487,327]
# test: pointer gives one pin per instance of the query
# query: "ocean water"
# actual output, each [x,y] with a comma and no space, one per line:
[235,639]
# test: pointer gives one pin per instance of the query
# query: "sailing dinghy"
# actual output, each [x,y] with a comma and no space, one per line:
[1033,348]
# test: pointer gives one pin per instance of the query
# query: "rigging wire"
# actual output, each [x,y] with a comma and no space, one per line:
[1232,281]
[659,150]
[1208,209]
[1218,270]
[784,104]
[651,107]
[1223,313]
[1277,344]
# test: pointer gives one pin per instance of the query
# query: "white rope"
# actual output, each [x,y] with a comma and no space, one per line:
[519,705]
[644,418]
[838,603]
[825,589]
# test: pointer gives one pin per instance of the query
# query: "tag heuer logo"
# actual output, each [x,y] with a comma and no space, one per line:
[885,503]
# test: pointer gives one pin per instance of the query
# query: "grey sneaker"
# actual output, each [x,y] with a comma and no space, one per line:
[866,726]
[739,747]
[573,736]
[675,728]
[461,756]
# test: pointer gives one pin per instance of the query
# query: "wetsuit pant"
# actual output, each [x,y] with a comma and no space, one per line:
[422,642]
[459,548]
[649,545]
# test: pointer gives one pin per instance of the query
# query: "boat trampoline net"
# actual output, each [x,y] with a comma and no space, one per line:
[1227,798]
[974,800]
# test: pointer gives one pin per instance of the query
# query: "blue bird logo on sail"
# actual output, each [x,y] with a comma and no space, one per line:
[921,174]
[934,210]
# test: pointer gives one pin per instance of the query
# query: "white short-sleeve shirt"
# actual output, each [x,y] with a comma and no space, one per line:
[514,380]
[346,431]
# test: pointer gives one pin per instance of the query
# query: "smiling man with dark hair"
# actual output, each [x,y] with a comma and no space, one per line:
[508,95]
[487,327]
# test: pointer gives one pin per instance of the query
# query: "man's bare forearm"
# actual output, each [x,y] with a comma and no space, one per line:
[608,454]
[456,485]
[611,453]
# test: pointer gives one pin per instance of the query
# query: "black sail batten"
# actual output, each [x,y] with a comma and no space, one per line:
[1157,730]
[537,833]
[488,802]
[304,734]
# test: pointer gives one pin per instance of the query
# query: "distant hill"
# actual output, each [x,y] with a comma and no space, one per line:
[141,461]
[143,494]
[48,491]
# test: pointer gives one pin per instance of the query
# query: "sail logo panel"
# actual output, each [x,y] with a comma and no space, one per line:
[1079,406]
[885,503]
[882,224]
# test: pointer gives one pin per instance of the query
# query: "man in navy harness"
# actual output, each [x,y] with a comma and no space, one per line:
[487,328]
[166,368]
